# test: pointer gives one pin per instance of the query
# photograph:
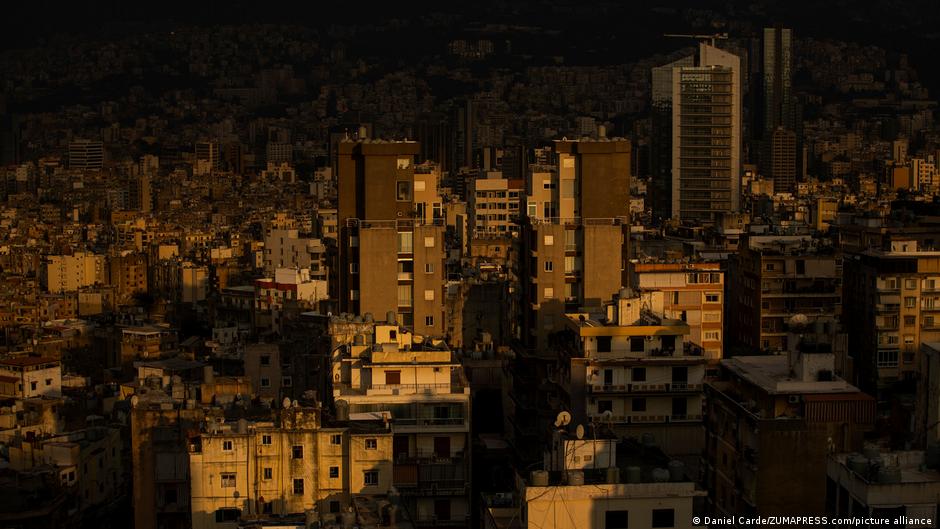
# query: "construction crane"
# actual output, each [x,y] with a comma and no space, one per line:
[711,38]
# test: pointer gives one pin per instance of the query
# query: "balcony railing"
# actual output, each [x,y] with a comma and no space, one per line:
[685,418]
[430,421]
[428,389]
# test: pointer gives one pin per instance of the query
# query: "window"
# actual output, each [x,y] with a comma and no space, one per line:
[298,486]
[32,386]
[371,444]
[549,240]
[267,473]
[547,266]
[638,404]
[429,321]
[908,339]
[664,518]
[227,515]
[605,405]
[353,268]
[265,382]
[265,360]
[800,267]
[429,268]
[712,297]
[403,193]
[287,382]
[603,344]
[227,446]
[910,284]
[393,377]
[910,321]
[405,242]
[334,472]
[403,163]
[336,439]
[770,267]
[420,185]
[712,336]
[353,295]
[265,439]
[429,242]
[548,293]
[637,344]
[616,520]
[887,359]
[227,479]
[48,381]
[371,477]
[910,302]
[297,452]
[639,374]
[428,295]
[404,296]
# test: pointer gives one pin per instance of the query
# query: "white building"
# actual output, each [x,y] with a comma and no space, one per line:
[30,376]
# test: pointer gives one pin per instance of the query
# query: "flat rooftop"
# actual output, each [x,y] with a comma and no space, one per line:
[772,373]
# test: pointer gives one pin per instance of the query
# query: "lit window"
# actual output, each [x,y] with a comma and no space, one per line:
[428,295]
[228,479]
[549,240]
[549,292]
[429,242]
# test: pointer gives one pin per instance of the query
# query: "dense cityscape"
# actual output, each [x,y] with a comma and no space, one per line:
[503,266]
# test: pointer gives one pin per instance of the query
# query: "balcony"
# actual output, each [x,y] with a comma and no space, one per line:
[643,419]
[648,388]
[685,418]
[685,386]
[417,389]
[406,276]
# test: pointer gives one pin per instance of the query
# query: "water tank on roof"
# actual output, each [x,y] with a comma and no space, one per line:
[634,475]
[242,426]
[676,470]
[889,475]
[342,410]
[539,478]
[613,475]
[575,477]
[660,475]
[857,463]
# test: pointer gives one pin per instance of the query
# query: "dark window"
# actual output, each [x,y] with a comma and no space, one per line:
[680,406]
[608,377]
[639,374]
[227,515]
[800,267]
[393,377]
[604,405]
[299,486]
[169,496]
[334,472]
[265,360]
[403,191]
[636,344]
[442,510]
[616,520]
[603,344]
[639,404]
[680,374]
[297,452]
[664,518]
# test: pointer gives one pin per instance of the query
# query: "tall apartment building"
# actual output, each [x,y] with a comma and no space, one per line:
[775,419]
[493,206]
[783,160]
[661,136]
[775,277]
[891,306]
[208,157]
[575,240]
[67,273]
[86,155]
[779,103]
[637,371]
[127,273]
[390,259]
[924,174]
[381,370]
[706,136]
[262,469]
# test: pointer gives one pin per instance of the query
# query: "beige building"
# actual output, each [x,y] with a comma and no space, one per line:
[636,371]
[391,250]
[67,273]
[493,205]
[382,370]
[892,306]
[30,376]
[575,245]
[285,248]
[602,483]
[903,484]
[292,465]
[692,292]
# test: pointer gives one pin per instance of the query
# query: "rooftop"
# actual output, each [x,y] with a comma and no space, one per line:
[772,373]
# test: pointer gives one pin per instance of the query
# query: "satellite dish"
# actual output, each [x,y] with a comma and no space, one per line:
[563,419]
[798,320]
[607,415]
[579,431]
